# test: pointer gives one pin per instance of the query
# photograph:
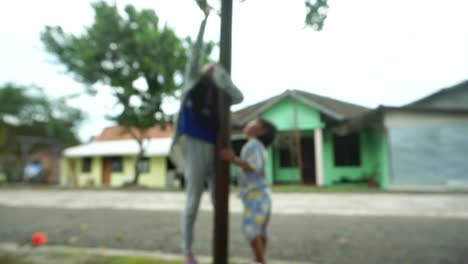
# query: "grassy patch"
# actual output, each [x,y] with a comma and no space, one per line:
[139,260]
[13,260]
[2,177]
[73,258]
[351,188]
[80,257]
[65,254]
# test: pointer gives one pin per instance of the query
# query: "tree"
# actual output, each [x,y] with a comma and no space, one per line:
[316,13]
[116,50]
[26,111]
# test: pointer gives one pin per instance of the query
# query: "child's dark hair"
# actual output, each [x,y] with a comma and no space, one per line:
[269,132]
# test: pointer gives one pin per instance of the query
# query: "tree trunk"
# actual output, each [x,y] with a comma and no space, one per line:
[141,150]
[141,154]
[297,135]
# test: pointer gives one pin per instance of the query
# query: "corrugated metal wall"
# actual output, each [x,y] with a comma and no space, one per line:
[429,154]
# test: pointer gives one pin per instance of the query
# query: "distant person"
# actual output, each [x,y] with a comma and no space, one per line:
[32,171]
[195,133]
[254,185]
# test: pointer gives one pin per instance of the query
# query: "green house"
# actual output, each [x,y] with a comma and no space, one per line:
[312,146]
[322,142]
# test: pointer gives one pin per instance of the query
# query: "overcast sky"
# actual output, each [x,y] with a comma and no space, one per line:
[371,52]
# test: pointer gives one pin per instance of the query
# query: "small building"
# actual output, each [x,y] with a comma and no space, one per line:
[321,142]
[427,140]
[327,142]
[109,160]
[309,149]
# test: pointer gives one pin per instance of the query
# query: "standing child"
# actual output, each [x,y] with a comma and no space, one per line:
[254,186]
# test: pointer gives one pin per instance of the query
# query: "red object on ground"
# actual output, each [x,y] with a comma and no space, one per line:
[39,239]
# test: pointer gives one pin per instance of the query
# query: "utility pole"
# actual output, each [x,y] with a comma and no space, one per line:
[222,177]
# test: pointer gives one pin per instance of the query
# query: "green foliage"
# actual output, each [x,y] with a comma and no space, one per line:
[26,111]
[316,13]
[118,49]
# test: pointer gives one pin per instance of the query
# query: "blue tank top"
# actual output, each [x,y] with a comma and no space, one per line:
[189,125]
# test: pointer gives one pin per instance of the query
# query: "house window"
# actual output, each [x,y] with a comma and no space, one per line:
[144,165]
[287,157]
[117,164]
[347,150]
[86,165]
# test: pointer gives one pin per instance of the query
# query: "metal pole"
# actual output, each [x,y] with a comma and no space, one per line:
[226,35]
[221,181]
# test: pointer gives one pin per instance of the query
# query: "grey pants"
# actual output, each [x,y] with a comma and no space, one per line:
[199,168]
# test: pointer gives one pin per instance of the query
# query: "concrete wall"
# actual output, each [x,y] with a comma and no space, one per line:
[428,149]
[71,173]
[92,178]
[156,177]
[405,119]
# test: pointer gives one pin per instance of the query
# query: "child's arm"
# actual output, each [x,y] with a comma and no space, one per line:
[229,155]
[192,69]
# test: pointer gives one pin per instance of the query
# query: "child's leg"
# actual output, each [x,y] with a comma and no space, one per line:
[267,207]
[194,190]
[258,249]
[264,241]
[197,157]
[255,221]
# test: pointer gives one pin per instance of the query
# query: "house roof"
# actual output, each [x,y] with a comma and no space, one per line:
[345,109]
[455,97]
[335,109]
[127,147]
[121,133]
[375,116]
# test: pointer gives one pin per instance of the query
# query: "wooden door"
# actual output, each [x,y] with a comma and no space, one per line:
[308,160]
[106,171]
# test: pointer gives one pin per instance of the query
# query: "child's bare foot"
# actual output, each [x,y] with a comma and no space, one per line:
[190,259]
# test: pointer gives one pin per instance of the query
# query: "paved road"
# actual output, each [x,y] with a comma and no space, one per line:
[439,236]
[348,204]
[310,238]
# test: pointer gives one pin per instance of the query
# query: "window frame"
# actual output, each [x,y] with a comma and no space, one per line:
[347,150]
[119,167]
[147,166]
[86,165]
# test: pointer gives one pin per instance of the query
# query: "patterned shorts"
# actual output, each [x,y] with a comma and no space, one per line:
[257,209]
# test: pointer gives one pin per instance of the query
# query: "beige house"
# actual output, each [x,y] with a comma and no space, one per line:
[110,159]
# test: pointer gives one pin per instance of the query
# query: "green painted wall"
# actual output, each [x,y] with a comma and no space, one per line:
[334,174]
[374,159]
[383,159]
[374,147]
[282,115]
[270,169]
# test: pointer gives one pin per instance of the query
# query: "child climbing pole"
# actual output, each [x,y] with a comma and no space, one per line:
[197,130]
